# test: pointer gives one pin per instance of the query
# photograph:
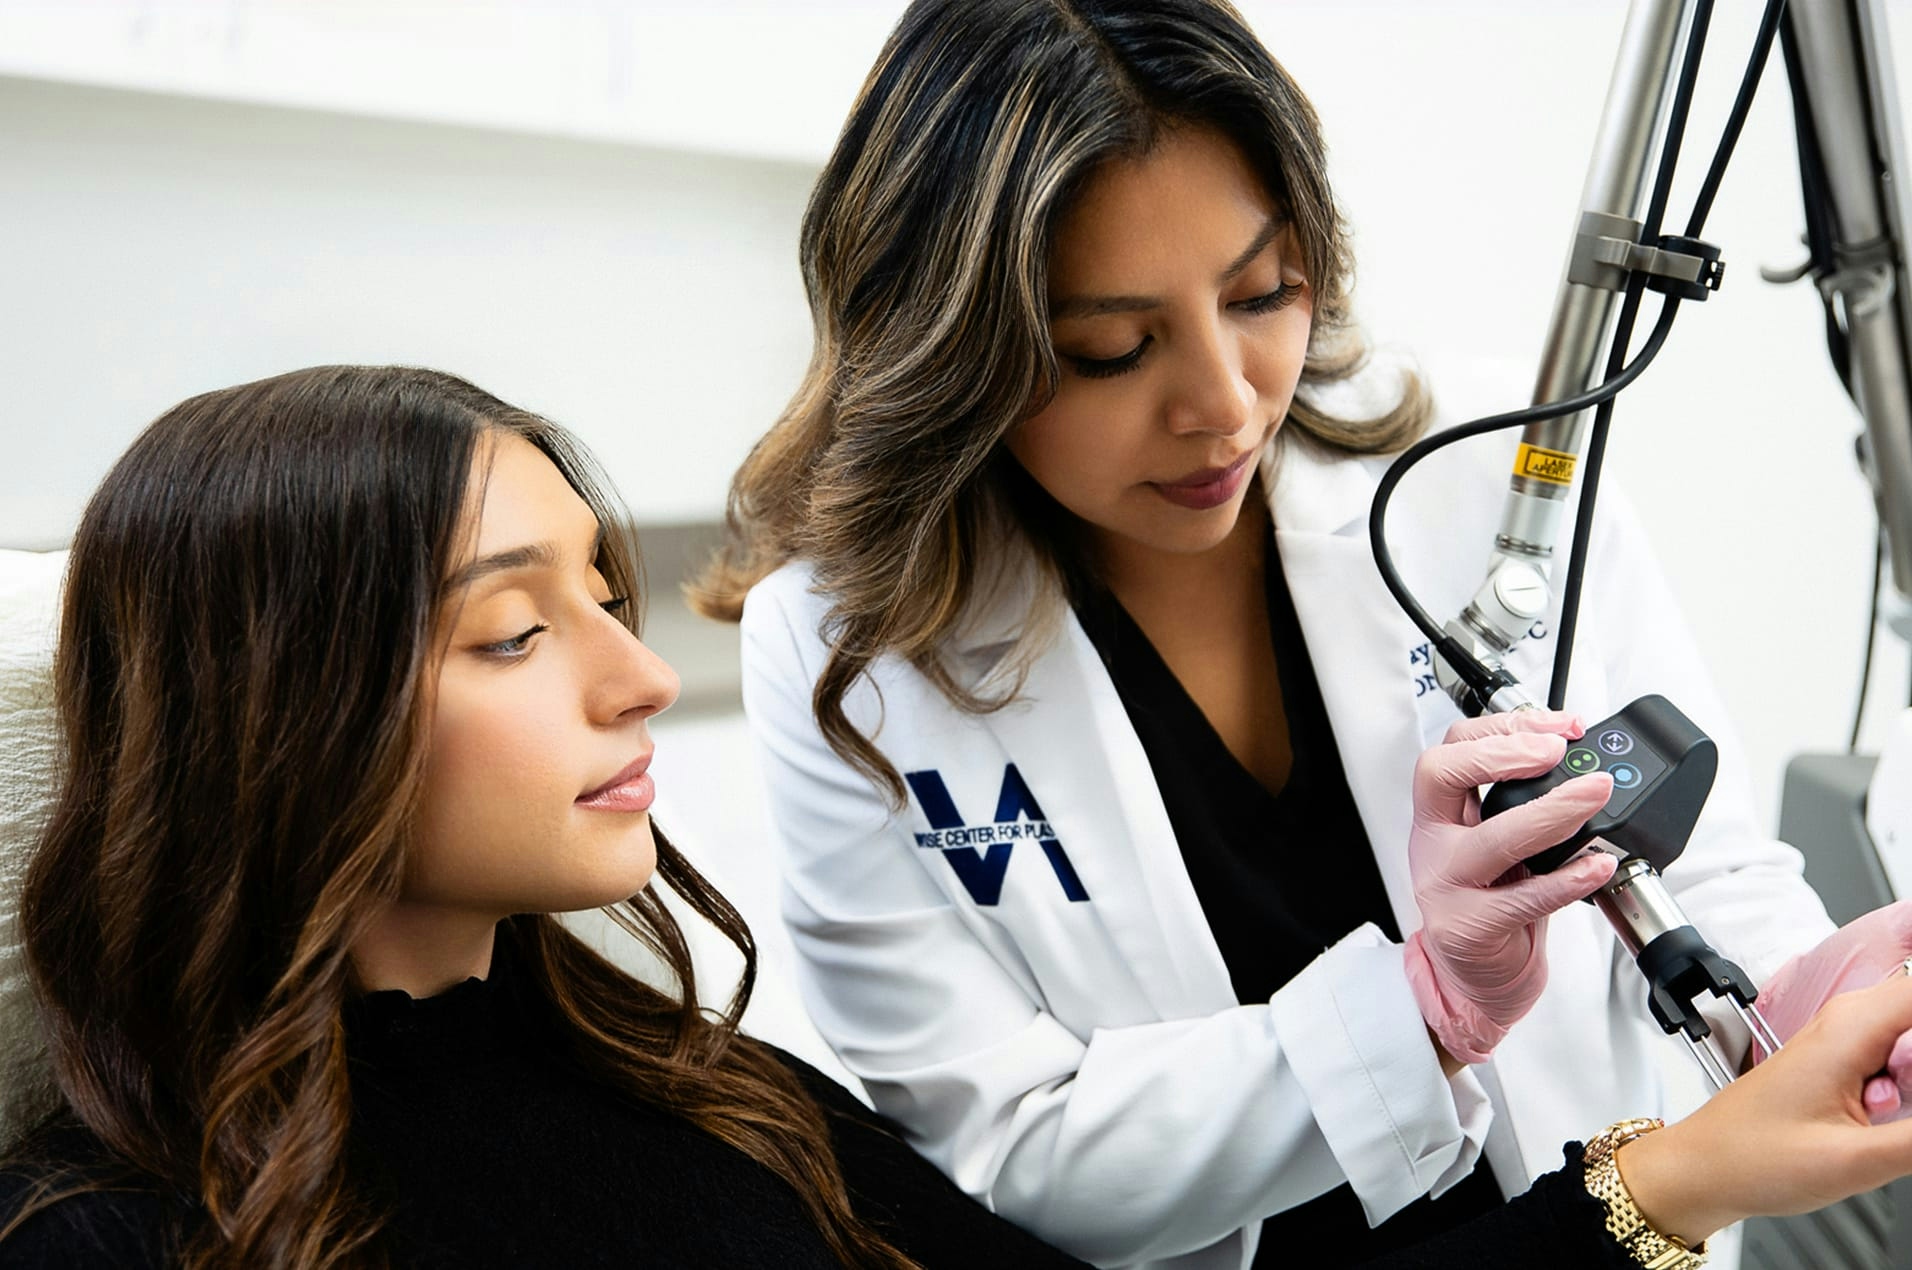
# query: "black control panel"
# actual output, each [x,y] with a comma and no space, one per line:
[1662,768]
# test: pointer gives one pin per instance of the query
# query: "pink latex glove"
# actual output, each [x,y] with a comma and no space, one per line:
[1479,961]
[1857,955]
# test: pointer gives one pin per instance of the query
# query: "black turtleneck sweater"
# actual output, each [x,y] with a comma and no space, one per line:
[491,1149]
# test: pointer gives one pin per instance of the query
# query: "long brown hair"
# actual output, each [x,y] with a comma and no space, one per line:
[925,252]
[250,623]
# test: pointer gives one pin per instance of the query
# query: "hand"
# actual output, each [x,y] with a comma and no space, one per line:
[1788,1137]
[1479,961]
[1857,955]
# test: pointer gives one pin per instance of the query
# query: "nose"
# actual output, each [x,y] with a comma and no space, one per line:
[1211,392]
[625,678]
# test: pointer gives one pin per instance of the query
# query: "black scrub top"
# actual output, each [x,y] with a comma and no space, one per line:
[1280,875]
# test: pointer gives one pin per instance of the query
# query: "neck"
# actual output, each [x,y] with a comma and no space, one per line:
[423,950]
[1145,579]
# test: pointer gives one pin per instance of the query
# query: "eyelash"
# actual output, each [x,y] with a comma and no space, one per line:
[1105,368]
[518,645]
[1280,298]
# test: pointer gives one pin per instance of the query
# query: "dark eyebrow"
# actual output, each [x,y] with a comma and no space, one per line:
[1267,235]
[1095,305]
[538,555]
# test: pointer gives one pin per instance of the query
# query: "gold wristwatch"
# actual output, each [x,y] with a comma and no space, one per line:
[1625,1222]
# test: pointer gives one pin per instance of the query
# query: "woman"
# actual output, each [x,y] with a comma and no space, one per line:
[352,700]
[1086,721]
[288,926]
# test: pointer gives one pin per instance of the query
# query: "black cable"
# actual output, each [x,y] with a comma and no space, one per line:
[1676,118]
[1872,631]
[1816,199]
[1822,259]
[1736,118]
[1475,674]
[1384,491]
[1623,329]
[1596,452]
[1583,511]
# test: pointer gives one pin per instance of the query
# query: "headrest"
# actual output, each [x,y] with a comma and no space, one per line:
[29,623]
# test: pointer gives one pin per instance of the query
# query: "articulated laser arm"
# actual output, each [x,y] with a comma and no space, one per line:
[1851,162]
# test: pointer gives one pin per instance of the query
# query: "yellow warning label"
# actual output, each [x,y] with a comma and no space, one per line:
[1544,465]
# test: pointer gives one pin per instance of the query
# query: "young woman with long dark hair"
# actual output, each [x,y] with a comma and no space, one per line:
[351,701]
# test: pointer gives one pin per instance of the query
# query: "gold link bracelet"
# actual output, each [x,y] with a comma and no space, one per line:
[1625,1222]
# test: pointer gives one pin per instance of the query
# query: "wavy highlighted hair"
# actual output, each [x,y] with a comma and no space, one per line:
[925,251]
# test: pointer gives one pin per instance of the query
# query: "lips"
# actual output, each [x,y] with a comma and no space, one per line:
[630,790]
[1210,487]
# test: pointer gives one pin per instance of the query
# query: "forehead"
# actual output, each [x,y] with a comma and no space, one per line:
[525,498]
[1192,201]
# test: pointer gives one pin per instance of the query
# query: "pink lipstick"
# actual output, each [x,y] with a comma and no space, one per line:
[630,790]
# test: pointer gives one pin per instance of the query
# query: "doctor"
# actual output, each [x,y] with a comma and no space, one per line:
[1094,744]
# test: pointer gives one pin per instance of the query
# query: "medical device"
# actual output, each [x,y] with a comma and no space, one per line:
[1851,151]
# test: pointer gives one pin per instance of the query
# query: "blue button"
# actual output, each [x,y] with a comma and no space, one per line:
[1614,741]
[1625,775]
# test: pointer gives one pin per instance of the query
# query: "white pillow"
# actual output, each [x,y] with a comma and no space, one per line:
[29,623]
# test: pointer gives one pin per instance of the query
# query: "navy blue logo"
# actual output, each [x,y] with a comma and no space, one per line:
[980,853]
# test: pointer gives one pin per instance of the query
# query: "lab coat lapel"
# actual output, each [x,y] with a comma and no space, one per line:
[1363,648]
[1071,739]
[1360,642]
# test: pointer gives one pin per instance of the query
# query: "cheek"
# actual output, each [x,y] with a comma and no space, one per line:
[496,780]
[1079,443]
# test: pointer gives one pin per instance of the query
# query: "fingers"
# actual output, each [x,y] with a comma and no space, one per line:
[1881,1099]
[1559,722]
[1522,832]
[1885,1095]
[1446,776]
[1862,1029]
[1899,1061]
[1531,899]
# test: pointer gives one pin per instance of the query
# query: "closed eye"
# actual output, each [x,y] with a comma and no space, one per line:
[1104,367]
[1280,298]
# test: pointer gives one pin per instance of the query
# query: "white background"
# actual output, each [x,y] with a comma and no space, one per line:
[591,209]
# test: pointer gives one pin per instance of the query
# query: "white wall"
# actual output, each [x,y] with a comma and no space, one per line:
[155,246]
[591,208]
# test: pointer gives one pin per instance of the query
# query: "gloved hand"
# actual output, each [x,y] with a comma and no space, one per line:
[1479,961]
[1857,955]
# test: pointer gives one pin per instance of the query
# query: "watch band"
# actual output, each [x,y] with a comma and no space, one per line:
[1625,1222]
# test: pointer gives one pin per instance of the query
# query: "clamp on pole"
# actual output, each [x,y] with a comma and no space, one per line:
[1607,251]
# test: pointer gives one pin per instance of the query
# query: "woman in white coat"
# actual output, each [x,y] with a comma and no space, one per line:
[1089,730]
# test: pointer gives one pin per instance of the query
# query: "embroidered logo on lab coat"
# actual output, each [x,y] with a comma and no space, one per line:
[979,852]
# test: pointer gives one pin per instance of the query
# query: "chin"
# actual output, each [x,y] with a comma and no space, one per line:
[1198,531]
[619,869]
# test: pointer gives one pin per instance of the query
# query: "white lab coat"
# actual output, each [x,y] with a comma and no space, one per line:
[1081,1065]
